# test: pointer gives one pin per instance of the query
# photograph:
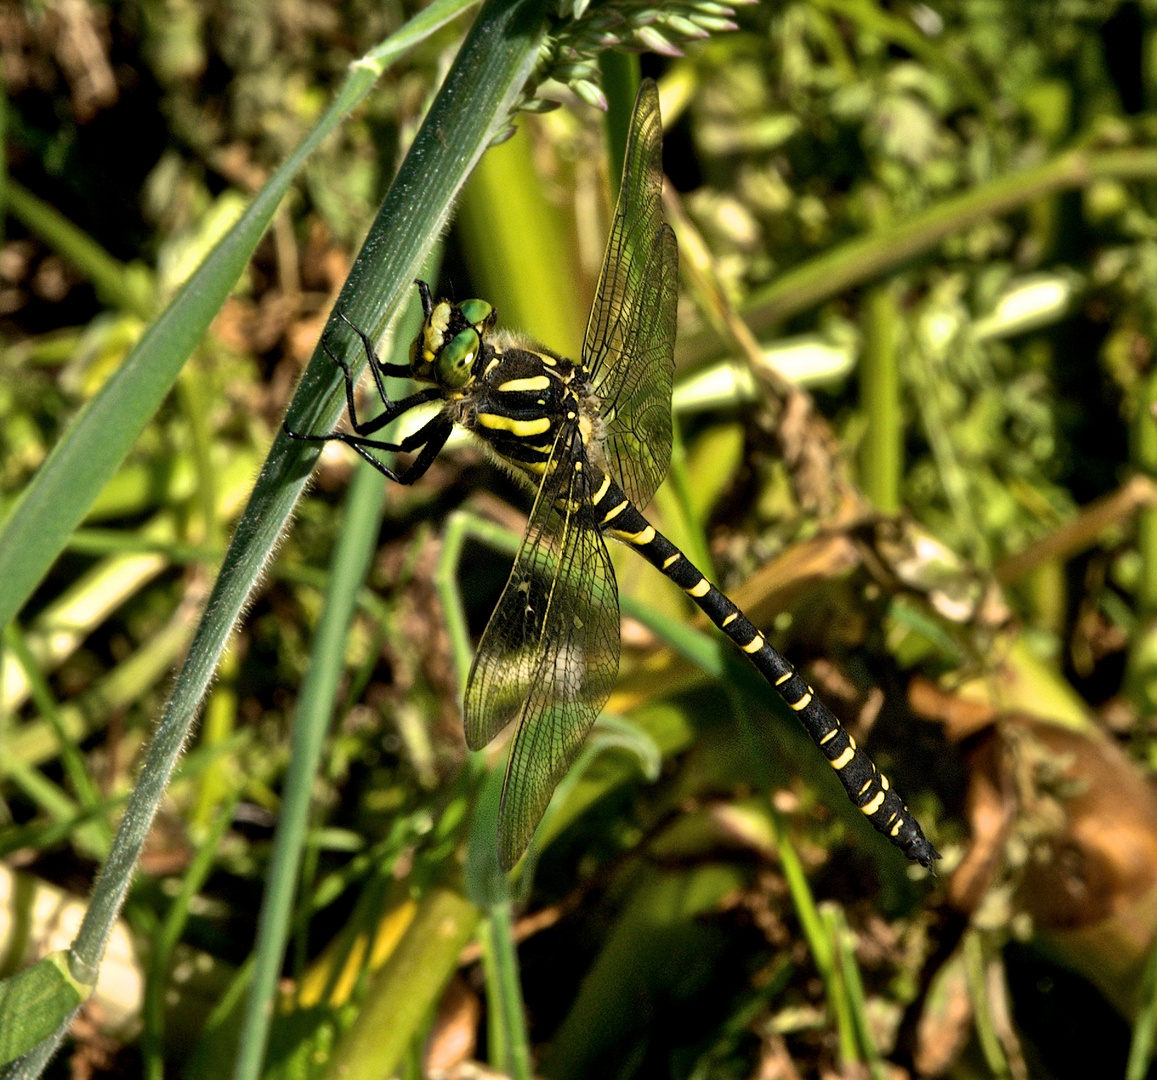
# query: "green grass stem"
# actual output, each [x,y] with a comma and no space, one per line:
[876,254]
[1144,1023]
[837,992]
[351,560]
[882,451]
[166,938]
[127,287]
[508,1043]
[853,987]
[620,79]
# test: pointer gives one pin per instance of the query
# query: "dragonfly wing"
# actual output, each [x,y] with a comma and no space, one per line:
[550,653]
[630,340]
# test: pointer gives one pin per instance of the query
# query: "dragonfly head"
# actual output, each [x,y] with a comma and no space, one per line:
[450,340]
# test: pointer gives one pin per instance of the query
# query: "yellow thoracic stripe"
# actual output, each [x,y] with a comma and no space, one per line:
[519,428]
[534,382]
[604,487]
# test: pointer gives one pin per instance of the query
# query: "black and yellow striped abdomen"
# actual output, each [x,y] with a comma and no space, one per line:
[867,787]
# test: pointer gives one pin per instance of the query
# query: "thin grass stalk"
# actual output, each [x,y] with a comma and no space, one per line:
[1144,455]
[881,252]
[620,80]
[128,682]
[504,994]
[837,992]
[42,836]
[129,287]
[975,963]
[881,454]
[351,560]
[817,933]
[488,888]
[165,941]
[853,985]
[71,758]
[50,798]
[1145,1023]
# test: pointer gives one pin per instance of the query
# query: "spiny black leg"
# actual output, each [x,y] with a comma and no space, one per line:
[431,436]
[419,466]
[377,366]
[394,409]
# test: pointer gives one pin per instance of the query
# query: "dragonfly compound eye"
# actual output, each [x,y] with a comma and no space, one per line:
[456,360]
[476,312]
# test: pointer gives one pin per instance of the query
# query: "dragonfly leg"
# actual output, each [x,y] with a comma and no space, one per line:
[431,437]
[377,366]
[393,409]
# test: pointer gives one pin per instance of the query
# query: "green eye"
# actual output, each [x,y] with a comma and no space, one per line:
[457,358]
[475,311]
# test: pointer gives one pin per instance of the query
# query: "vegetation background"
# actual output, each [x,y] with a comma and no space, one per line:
[915,391]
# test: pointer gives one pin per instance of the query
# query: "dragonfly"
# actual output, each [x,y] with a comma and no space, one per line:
[593,438]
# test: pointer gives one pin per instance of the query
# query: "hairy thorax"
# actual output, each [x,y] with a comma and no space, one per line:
[523,400]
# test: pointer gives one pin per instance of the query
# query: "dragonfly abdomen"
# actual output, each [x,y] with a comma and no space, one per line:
[867,787]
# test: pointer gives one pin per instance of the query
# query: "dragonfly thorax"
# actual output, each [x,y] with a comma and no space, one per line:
[451,340]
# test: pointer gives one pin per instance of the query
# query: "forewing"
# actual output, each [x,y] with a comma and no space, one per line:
[630,339]
[550,653]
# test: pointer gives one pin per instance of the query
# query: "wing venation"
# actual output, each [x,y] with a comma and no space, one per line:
[550,653]
[629,347]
